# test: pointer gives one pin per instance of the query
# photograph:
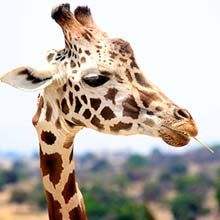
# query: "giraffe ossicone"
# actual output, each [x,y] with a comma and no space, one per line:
[93,82]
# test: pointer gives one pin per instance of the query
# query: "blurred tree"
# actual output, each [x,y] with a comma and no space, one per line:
[185,207]
[11,176]
[177,168]
[19,195]
[111,205]
[217,194]
[136,161]
[152,191]
[194,185]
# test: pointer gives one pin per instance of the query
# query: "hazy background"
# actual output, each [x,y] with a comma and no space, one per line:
[176,43]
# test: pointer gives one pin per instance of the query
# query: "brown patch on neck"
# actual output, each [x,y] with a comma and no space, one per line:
[51,164]
[48,137]
[77,214]
[69,188]
[53,207]
[36,117]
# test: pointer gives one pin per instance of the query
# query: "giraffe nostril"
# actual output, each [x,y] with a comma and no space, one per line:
[182,114]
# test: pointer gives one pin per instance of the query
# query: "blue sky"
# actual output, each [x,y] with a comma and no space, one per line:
[176,43]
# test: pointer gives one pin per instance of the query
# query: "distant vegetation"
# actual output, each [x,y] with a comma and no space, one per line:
[128,187]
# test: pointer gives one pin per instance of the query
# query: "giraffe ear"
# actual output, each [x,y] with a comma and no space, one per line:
[27,78]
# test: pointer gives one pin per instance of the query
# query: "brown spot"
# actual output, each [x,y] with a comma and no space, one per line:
[77,88]
[68,144]
[133,63]
[149,112]
[78,105]
[64,87]
[75,47]
[65,108]
[69,188]
[49,111]
[123,59]
[95,103]
[71,156]
[121,126]
[58,103]
[53,207]
[83,97]
[70,123]
[96,122]
[128,74]
[51,164]
[87,114]
[48,137]
[159,108]
[77,213]
[50,56]
[98,46]
[87,52]
[107,113]
[70,83]
[78,122]
[123,46]
[36,117]
[57,124]
[141,79]
[83,60]
[131,108]
[74,71]
[86,36]
[80,50]
[118,78]
[111,95]
[71,98]
[72,64]
[148,97]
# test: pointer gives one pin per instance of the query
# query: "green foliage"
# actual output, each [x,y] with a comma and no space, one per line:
[136,161]
[177,168]
[192,184]
[110,205]
[11,176]
[185,207]
[217,194]
[37,196]
[34,196]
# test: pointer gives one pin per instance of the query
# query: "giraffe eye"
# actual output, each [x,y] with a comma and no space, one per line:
[95,79]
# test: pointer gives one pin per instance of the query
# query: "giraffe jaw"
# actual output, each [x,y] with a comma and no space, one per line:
[177,137]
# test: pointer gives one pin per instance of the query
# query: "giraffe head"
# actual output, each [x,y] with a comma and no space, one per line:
[95,82]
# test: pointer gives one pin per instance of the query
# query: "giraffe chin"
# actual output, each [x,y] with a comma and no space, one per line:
[175,138]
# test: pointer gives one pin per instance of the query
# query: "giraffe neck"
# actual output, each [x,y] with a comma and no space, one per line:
[57,164]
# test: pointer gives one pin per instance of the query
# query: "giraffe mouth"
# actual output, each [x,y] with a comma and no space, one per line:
[173,137]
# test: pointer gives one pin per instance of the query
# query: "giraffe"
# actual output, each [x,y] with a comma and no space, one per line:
[93,82]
